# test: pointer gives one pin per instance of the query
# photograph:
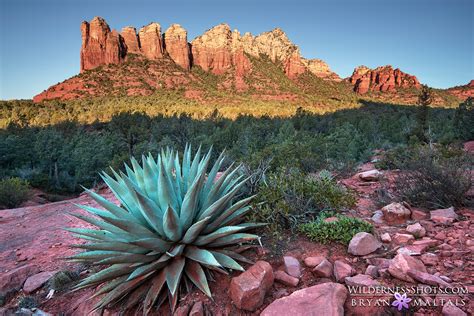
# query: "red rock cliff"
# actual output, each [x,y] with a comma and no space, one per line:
[100,46]
[177,46]
[383,78]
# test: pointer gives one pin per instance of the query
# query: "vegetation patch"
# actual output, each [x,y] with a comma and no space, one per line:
[13,192]
[339,228]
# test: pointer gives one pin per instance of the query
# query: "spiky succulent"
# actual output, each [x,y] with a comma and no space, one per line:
[176,222]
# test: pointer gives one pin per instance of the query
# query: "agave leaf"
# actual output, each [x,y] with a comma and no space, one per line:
[173,272]
[248,226]
[130,227]
[171,225]
[193,232]
[154,291]
[186,166]
[190,203]
[201,255]
[150,176]
[137,295]
[138,172]
[176,251]
[196,274]
[194,167]
[109,206]
[155,243]
[145,269]
[235,255]
[211,176]
[221,232]
[212,196]
[134,258]
[104,225]
[119,292]
[112,246]
[109,286]
[219,206]
[232,239]
[227,261]
[164,190]
[152,213]
[227,213]
[107,274]
[94,233]
[93,255]
[236,216]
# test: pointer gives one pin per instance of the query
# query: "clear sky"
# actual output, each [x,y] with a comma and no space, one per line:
[40,40]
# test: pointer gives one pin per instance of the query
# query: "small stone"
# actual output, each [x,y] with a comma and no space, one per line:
[313,261]
[396,213]
[14,279]
[400,239]
[427,278]
[371,175]
[429,259]
[292,266]
[416,230]
[324,269]
[197,310]
[286,279]
[417,215]
[361,280]
[400,265]
[342,270]
[36,281]
[444,216]
[385,237]
[377,217]
[362,244]
[373,271]
[452,310]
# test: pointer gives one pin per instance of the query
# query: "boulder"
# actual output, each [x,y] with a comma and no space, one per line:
[444,216]
[36,281]
[14,279]
[286,279]
[342,270]
[292,266]
[370,175]
[362,244]
[396,213]
[248,290]
[322,299]
[401,264]
[323,269]
[416,230]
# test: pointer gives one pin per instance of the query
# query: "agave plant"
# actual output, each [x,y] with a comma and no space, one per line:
[175,224]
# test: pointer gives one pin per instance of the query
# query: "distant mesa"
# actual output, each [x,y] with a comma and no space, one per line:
[463,92]
[382,79]
[220,51]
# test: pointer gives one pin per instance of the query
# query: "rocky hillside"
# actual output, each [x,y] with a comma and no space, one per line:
[267,65]
[463,92]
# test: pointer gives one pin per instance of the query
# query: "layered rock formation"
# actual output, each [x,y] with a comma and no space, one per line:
[100,46]
[320,69]
[176,44]
[218,50]
[383,78]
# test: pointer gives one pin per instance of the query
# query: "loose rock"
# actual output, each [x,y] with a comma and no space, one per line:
[36,281]
[324,269]
[416,230]
[292,266]
[322,299]
[286,279]
[444,216]
[342,270]
[14,279]
[401,264]
[247,290]
[396,213]
[362,244]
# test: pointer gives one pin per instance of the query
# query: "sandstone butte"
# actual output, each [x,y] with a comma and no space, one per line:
[219,51]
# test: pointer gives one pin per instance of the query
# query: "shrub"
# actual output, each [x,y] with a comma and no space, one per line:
[176,223]
[341,230]
[62,280]
[435,178]
[27,302]
[13,192]
[289,198]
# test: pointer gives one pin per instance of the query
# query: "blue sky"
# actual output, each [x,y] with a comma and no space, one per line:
[432,39]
